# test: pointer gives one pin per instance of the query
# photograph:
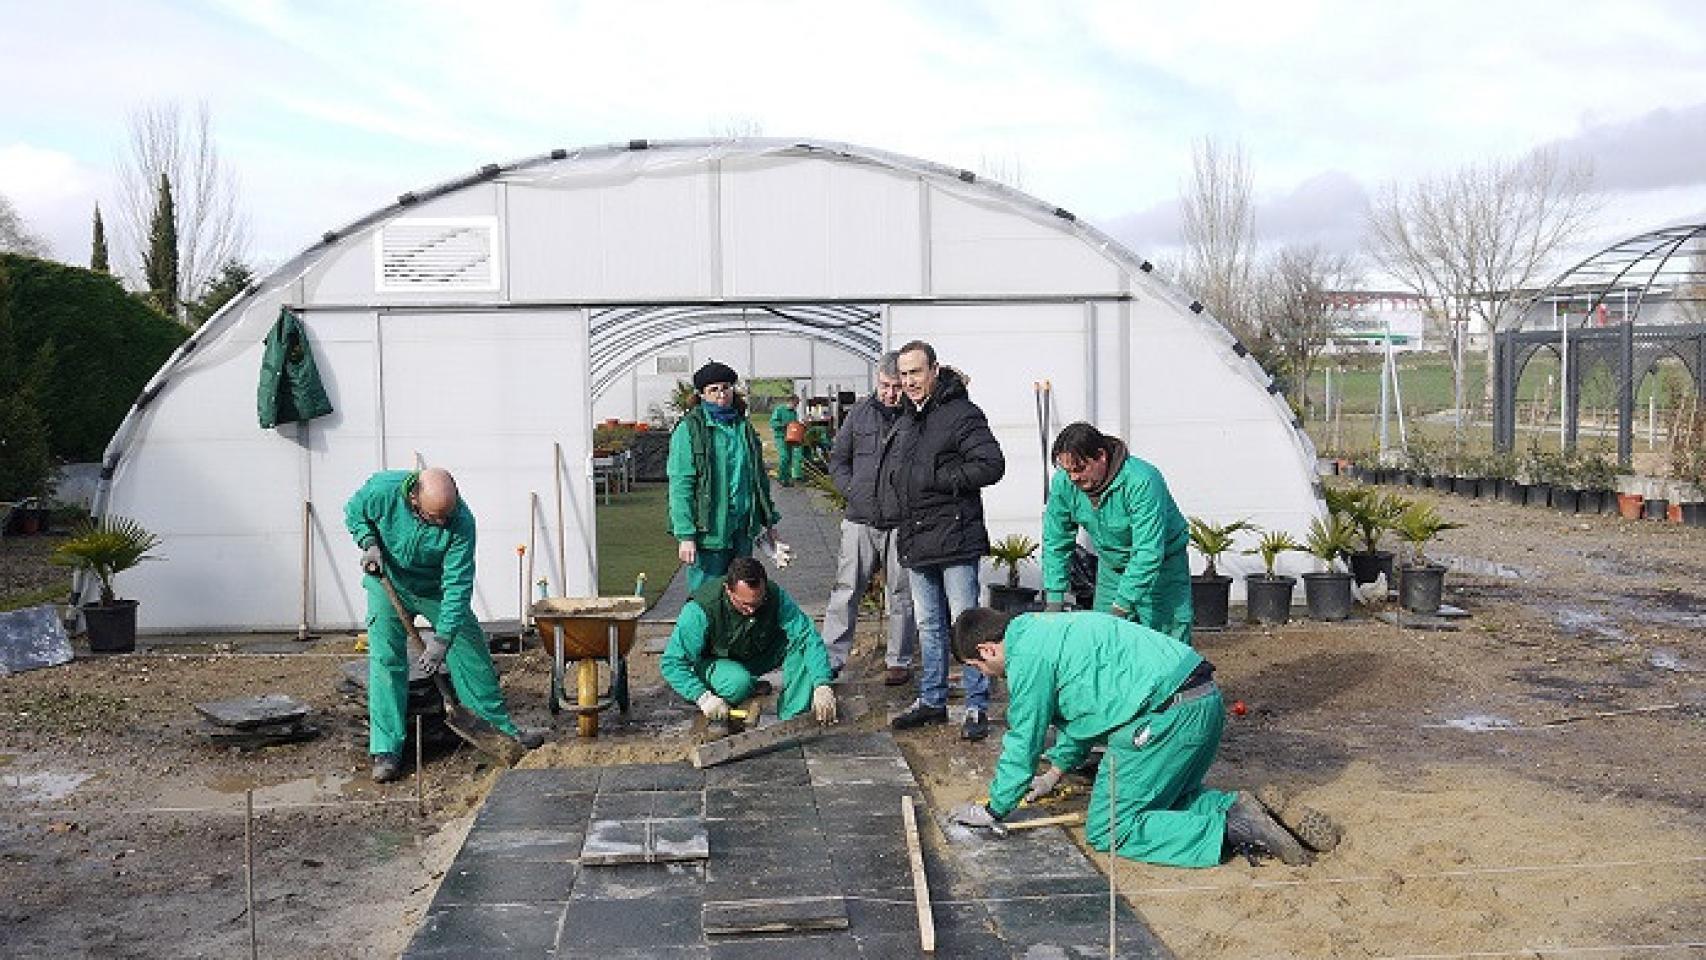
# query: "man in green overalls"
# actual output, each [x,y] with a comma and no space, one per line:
[416,528]
[1143,571]
[787,454]
[735,628]
[1151,700]
[719,494]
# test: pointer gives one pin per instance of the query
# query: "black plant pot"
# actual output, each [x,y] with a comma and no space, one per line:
[1366,567]
[1655,509]
[1011,599]
[1514,492]
[1267,600]
[1421,587]
[112,626]
[1210,597]
[1591,502]
[1539,495]
[1566,501]
[1328,595]
[1694,514]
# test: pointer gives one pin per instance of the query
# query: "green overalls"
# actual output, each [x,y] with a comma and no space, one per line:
[716,647]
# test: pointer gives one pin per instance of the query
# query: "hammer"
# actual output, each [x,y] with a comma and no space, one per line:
[1001,829]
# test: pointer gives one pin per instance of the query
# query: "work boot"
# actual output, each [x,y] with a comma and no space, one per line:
[1250,831]
[387,767]
[976,725]
[897,676]
[530,739]
[918,715]
[1318,831]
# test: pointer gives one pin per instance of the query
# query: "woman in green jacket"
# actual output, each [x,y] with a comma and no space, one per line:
[719,494]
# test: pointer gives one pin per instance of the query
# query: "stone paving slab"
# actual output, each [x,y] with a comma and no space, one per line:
[819,821]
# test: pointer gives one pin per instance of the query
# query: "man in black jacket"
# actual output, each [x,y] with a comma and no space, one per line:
[935,464]
[867,542]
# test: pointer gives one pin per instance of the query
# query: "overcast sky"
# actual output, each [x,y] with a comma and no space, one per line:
[328,110]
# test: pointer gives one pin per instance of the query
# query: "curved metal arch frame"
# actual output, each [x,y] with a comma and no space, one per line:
[620,337]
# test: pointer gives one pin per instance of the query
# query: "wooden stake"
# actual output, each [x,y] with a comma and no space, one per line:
[307,547]
[920,882]
[420,785]
[1113,845]
[249,869]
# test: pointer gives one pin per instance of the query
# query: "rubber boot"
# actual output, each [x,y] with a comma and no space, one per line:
[1250,831]
[1318,831]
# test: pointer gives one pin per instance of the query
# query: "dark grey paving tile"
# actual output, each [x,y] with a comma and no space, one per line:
[783,915]
[758,802]
[825,944]
[849,803]
[536,811]
[659,922]
[695,952]
[726,835]
[1033,853]
[486,930]
[679,838]
[553,780]
[770,770]
[1064,908]
[878,744]
[625,805]
[894,911]
[859,771]
[614,841]
[639,881]
[890,946]
[508,881]
[651,776]
[1133,942]
[667,804]
[875,871]
[495,843]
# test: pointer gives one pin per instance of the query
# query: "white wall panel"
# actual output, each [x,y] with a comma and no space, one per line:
[602,241]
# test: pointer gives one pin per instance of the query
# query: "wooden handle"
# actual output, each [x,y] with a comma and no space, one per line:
[1063,820]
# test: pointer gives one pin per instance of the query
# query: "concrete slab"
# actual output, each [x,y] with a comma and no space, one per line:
[610,924]
[515,881]
[774,915]
[859,771]
[32,638]
[487,930]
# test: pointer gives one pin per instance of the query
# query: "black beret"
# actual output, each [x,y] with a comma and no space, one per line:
[713,372]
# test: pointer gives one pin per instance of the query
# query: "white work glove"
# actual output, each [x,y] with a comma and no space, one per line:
[1044,783]
[432,658]
[687,552]
[372,559]
[823,704]
[973,815]
[779,553]
[712,706]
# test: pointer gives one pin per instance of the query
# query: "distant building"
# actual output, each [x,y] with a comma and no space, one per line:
[1373,316]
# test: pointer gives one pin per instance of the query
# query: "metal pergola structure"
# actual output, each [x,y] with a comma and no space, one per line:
[1666,266]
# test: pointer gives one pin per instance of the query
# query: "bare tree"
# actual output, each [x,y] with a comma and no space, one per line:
[1219,224]
[211,228]
[15,234]
[1468,240]
[1306,295]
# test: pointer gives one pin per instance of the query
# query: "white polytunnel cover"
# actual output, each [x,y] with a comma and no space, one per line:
[481,326]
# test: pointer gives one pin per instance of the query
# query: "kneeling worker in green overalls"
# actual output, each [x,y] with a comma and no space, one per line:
[1151,700]
[735,628]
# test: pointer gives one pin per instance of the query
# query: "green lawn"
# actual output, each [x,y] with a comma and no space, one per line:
[633,536]
[1425,382]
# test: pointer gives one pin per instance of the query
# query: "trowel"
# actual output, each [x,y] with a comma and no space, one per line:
[479,734]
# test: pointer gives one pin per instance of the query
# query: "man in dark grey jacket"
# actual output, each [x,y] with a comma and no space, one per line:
[866,542]
[935,465]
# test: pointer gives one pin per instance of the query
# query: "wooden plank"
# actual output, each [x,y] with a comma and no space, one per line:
[1062,820]
[774,915]
[920,883]
[784,733]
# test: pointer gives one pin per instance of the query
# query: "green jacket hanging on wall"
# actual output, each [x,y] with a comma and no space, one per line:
[290,388]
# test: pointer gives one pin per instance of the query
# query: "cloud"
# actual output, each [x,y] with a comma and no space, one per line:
[54,193]
[1326,210]
[1661,148]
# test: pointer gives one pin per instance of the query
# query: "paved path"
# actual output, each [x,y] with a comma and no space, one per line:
[812,528]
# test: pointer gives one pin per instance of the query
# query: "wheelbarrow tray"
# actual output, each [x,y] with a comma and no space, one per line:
[585,624]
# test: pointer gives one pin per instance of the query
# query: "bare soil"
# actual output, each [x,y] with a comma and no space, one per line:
[1489,809]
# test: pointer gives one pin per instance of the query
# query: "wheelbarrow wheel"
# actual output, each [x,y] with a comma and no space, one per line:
[586,689]
[619,685]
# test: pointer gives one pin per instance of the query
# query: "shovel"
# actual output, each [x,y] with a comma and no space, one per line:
[479,734]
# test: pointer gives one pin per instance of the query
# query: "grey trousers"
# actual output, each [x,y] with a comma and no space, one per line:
[862,548]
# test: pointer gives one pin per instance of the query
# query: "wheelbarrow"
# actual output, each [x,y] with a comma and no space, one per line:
[587,630]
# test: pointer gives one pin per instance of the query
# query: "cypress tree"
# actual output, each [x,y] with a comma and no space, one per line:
[98,247]
[160,262]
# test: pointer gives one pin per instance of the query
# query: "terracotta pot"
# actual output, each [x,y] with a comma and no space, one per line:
[1629,505]
[1675,513]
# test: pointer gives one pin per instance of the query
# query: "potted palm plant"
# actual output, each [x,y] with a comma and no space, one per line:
[1423,582]
[1011,552]
[1211,592]
[1267,595]
[1373,514]
[1328,592]
[106,548]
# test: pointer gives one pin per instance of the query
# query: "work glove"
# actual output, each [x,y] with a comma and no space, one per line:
[1054,606]
[779,553]
[1120,612]
[687,552]
[973,815]
[1044,783]
[432,658]
[372,560]
[712,706]
[823,704]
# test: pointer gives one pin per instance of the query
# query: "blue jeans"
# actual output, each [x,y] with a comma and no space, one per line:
[940,594]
